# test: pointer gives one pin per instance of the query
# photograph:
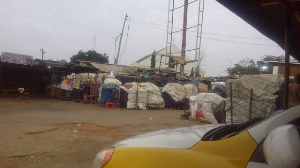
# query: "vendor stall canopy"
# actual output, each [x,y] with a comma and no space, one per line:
[269,17]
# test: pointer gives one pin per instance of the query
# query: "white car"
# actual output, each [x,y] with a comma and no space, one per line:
[272,142]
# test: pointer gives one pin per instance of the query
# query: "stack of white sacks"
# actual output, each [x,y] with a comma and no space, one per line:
[143,95]
[175,90]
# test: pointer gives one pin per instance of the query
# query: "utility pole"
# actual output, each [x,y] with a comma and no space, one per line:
[183,47]
[94,42]
[43,52]
[287,60]
[121,35]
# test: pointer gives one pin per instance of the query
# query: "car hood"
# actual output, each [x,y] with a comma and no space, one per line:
[184,137]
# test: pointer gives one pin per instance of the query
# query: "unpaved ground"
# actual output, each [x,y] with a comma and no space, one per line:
[50,133]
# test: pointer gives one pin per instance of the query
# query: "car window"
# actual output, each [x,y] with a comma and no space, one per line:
[227,131]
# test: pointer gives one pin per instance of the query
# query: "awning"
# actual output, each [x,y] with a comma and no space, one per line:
[269,18]
[117,69]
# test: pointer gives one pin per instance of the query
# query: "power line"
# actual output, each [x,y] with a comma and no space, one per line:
[268,45]
[149,25]
[131,18]
[210,38]
[215,34]
[255,38]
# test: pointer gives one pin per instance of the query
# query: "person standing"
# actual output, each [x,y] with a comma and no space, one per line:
[294,92]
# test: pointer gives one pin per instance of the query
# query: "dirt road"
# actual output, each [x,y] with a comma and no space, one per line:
[50,133]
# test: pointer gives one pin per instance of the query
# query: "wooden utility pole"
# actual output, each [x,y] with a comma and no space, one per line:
[183,47]
[250,104]
[287,60]
[231,106]
[43,52]
[121,35]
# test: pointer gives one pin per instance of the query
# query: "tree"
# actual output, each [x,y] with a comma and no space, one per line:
[192,72]
[244,67]
[153,61]
[91,55]
[197,74]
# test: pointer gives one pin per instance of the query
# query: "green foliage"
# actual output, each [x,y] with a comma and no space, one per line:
[153,61]
[244,67]
[91,55]
[192,72]
[198,72]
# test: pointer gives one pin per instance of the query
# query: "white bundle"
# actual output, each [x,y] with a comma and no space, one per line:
[175,90]
[141,96]
[112,82]
[154,97]
[191,89]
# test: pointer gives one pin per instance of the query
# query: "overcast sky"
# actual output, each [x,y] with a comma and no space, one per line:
[63,27]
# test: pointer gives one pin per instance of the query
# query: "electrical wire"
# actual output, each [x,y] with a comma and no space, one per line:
[131,18]
[267,45]
[215,34]
[257,44]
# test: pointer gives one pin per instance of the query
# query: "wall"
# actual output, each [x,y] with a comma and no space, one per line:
[294,69]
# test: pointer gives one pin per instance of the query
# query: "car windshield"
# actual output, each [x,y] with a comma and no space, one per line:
[77,77]
[227,131]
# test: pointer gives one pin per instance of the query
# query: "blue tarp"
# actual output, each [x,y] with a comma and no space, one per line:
[108,93]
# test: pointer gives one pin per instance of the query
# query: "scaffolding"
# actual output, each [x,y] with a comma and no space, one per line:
[170,27]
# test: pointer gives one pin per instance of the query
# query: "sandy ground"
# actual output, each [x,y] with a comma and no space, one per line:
[50,133]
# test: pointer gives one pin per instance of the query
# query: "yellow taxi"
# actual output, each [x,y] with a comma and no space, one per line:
[272,142]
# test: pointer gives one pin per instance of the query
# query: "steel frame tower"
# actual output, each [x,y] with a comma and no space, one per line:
[170,24]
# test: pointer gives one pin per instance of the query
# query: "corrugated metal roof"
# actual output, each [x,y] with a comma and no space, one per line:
[142,59]
[118,69]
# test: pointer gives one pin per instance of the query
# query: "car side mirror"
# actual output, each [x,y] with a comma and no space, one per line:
[282,147]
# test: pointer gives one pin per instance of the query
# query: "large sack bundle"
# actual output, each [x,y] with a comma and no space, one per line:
[79,78]
[211,104]
[264,86]
[220,90]
[154,97]
[112,82]
[191,90]
[174,95]
[214,84]
[175,90]
[137,97]
[203,88]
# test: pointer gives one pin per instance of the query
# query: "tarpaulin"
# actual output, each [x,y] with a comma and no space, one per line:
[108,93]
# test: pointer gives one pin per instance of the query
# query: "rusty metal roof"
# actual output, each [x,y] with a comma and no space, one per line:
[269,18]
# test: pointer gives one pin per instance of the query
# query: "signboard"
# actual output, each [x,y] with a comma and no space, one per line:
[16,58]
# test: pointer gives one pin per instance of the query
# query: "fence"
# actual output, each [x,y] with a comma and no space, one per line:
[252,96]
